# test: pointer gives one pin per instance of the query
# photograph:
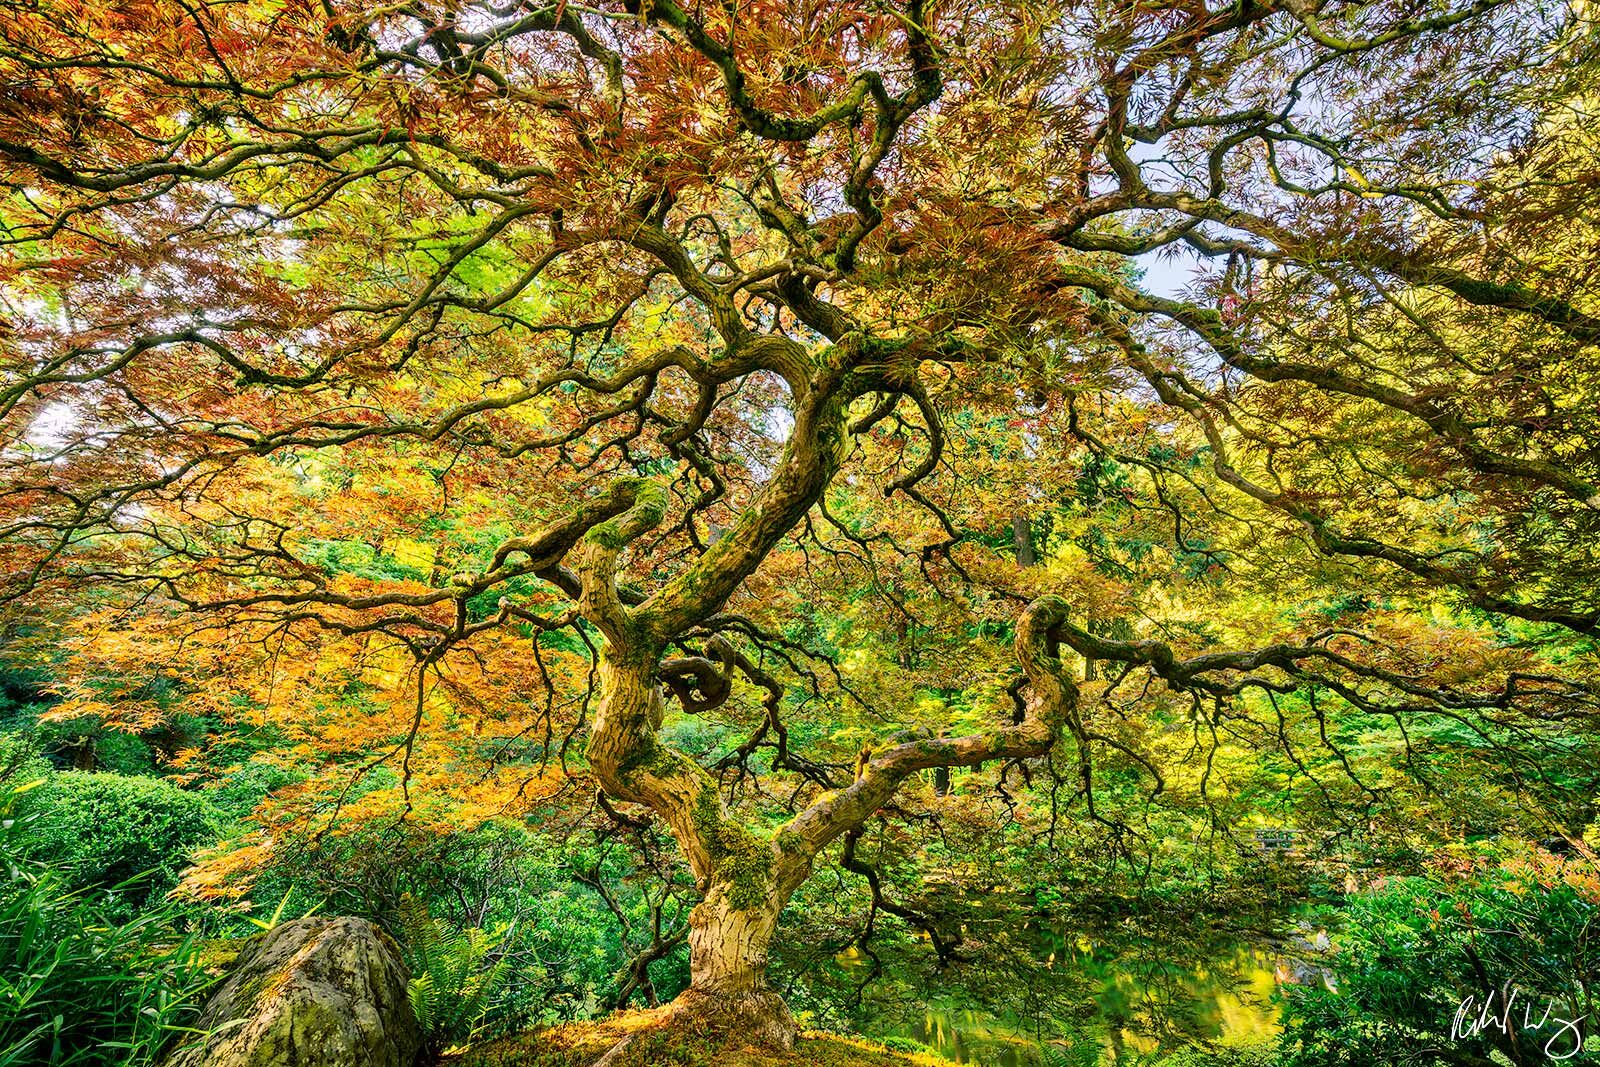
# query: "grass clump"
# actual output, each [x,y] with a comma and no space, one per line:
[80,984]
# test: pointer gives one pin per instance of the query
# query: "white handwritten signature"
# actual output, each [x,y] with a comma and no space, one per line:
[1473,1018]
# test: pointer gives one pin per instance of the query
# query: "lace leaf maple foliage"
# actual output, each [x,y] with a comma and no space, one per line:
[596,303]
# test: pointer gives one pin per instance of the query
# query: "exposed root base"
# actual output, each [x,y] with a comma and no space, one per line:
[759,1018]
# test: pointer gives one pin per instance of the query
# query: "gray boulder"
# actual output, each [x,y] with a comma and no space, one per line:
[314,992]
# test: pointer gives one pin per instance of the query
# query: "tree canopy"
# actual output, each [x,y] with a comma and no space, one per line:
[490,393]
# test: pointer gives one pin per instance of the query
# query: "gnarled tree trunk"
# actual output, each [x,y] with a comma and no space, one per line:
[746,875]
[737,869]
[728,967]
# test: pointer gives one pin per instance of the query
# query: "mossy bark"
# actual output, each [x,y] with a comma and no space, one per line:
[746,876]
[737,869]
[728,967]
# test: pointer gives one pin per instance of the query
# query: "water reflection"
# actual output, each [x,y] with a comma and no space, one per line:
[1145,1000]
[968,1036]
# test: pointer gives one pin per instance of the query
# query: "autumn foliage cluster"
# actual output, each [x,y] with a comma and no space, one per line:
[778,437]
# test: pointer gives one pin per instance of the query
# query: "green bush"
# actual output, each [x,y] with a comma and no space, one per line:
[456,975]
[77,987]
[1412,951]
[20,762]
[565,949]
[904,1044]
[105,829]
[237,794]
[1262,1055]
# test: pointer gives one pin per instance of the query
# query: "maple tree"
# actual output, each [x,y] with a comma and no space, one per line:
[576,315]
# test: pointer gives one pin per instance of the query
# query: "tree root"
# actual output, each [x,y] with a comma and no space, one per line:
[614,1054]
[759,1017]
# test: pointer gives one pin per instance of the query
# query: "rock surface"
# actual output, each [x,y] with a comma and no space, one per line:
[315,992]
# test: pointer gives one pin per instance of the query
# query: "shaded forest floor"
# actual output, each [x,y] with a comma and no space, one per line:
[651,1043]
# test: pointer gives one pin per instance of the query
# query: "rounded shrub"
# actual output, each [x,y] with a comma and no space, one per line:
[82,984]
[104,829]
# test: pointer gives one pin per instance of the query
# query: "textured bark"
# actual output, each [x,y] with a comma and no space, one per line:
[736,869]
[746,876]
[728,944]
[1022,540]
[728,967]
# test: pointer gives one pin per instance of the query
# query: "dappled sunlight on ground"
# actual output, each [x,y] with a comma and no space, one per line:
[652,1042]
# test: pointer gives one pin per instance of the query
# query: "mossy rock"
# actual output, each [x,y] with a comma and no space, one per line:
[315,992]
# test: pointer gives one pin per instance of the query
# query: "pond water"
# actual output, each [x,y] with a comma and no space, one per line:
[1143,999]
